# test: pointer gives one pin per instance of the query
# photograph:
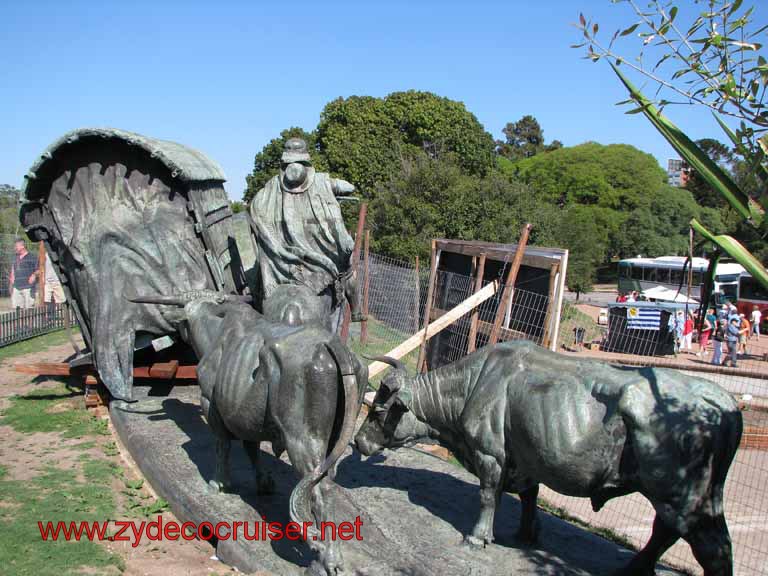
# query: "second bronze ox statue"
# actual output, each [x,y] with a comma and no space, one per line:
[517,415]
[282,377]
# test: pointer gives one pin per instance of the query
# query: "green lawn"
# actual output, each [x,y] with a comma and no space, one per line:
[36,344]
[84,491]
[54,494]
[382,339]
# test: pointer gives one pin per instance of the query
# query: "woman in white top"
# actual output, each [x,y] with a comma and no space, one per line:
[756,317]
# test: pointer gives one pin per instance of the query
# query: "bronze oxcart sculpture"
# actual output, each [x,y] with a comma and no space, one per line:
[517,415]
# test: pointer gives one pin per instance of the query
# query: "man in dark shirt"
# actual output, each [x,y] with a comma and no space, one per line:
[23,277]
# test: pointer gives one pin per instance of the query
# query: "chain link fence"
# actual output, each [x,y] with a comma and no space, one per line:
[396,304]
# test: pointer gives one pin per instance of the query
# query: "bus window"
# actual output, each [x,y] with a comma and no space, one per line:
[727,278]
[729,292]
[637,273]
[650,275]
[625,271]
[750,289]
[662,276]
[675,277]
[698,278]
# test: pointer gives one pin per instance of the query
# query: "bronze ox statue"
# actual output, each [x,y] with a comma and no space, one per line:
[285,379]
[517,415]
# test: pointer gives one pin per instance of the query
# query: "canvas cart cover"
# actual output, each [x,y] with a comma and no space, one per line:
[125,215]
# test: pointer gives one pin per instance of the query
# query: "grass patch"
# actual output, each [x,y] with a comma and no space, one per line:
[381,339]
[46,410]
[80,494]
[571,318]
[36,344]
[55,495]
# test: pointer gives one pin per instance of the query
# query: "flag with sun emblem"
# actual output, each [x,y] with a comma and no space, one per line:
[643,318]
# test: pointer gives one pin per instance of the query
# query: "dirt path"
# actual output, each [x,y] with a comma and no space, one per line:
[27,457]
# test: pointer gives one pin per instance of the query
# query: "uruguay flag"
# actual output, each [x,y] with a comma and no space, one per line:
[643,318]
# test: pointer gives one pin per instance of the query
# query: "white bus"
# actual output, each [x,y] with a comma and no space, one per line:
[667,271]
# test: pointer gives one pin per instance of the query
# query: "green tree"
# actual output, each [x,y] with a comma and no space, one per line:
[616,176]
[615,182]
[434,197]
[524,139]
[587,242]
[366,140]
[267,162]
[661,228]
[9,209]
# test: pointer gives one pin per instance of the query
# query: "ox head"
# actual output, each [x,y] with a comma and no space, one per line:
[390,422]
[198,314]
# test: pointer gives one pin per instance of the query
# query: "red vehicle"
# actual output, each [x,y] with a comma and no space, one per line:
[751,294]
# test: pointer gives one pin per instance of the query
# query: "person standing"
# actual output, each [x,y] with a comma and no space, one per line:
[745,331]
[717,342]
[706,331]
[23,276]
[678,327]
[53,293]
[722,313]
[732,337]
[756,316]
[688,332]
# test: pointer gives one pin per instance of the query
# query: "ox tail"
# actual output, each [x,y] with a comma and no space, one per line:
[300,502]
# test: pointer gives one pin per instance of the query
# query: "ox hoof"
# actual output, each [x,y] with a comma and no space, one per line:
[217,487]
[474,541]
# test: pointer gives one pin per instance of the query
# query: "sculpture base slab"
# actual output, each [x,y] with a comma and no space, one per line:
[415,508]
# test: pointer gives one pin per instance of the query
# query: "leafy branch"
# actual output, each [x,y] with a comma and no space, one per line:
[715,61]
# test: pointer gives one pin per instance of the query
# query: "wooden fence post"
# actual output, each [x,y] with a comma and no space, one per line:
[353,265]
[509,288]
[366,285]
[421,364]
[41,255]
[548,318]
[472,338]
[417,298]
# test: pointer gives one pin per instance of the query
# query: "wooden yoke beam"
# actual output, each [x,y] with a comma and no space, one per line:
[438,325]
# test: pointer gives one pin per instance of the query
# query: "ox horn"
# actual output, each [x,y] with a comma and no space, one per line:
[394,362]
[185,298]
[166,300]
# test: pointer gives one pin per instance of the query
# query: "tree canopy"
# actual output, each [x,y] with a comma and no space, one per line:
[617,176]
[524,139]
[9,209]
[615,203]
[366,139]
[435,198]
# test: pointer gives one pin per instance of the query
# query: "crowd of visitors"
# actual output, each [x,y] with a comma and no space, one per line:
[633,296]
[727,330]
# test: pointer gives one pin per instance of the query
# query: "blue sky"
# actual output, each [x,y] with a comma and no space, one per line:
[225,77]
